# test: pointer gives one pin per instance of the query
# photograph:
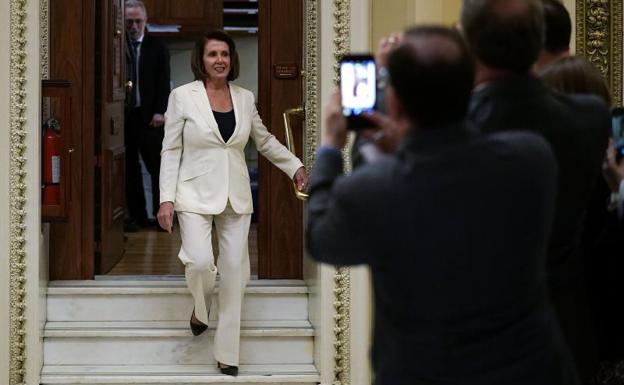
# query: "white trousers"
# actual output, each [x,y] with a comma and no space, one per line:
[233,266]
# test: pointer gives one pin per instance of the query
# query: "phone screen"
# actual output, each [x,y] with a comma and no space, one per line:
[617,127]
[358,84]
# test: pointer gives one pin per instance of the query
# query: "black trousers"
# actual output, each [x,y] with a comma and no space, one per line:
[140,138]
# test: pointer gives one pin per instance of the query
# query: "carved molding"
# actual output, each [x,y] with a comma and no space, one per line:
[311,81]
[342,278]
[17,192]
[44,37]
[599,38]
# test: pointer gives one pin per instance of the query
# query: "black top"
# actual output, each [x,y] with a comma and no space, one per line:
[226,122]
[455,228]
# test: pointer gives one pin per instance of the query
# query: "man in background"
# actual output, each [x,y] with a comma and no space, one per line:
[454,226]
[147,68]
[557,34]
[506,38]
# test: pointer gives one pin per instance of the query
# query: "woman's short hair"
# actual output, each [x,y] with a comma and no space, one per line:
[576,75]
[197,57]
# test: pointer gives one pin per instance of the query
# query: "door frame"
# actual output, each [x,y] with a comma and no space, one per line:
[23,273]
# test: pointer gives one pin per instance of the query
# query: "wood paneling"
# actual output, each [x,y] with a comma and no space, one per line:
[280,238]
[193,16]
[149,252]
[110,175]
[157,9]
[71,59]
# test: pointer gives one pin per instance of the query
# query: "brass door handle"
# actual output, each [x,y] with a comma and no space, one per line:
[290,142]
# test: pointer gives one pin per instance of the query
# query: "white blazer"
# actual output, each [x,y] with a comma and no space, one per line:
[199,171]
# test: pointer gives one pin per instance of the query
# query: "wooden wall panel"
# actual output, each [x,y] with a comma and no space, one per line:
[280,231]
[71,52]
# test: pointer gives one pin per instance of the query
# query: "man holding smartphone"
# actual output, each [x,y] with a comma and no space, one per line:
[452,306]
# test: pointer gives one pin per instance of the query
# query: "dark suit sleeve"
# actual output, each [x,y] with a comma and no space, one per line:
[335,232]
[163,77]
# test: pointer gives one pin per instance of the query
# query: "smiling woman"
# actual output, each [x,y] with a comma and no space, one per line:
[208,125]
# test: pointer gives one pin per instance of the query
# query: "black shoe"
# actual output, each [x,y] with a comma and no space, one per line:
[197,328]
[228,369]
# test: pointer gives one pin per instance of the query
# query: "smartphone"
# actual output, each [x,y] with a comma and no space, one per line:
[358,88]
[617,127]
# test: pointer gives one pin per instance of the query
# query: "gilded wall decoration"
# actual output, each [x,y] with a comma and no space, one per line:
[311,81]
[44,16]
[599,38]
[17,192]
[342,278]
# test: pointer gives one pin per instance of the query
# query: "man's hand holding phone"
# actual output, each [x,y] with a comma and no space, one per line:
[358,89]
[381,129]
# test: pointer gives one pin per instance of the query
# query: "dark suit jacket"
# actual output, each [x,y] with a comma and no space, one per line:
[454,228]
[577,128]
[154,76]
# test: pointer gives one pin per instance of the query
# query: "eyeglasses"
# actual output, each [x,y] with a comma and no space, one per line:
[135,21]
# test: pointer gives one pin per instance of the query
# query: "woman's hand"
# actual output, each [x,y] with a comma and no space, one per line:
[301,179]
[165,216]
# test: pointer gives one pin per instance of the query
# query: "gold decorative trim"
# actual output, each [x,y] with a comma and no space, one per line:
[311,80]
[17,193]
[44,26]
[342,278]
[599,38]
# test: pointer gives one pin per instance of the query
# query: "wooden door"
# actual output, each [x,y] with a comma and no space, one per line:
[280,61]
[110,171]
[72,38]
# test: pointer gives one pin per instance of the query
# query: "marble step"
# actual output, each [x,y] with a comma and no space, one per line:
[167,300]
[299,374]
[171,343]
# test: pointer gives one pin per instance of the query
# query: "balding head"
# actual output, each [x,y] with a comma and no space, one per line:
[504,34]
[432,75]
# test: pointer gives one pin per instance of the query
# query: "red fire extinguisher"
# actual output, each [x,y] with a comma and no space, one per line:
[51,163]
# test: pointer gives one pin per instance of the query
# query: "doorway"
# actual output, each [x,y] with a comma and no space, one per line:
[277,237]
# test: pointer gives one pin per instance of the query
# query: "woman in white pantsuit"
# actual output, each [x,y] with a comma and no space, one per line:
[204,178]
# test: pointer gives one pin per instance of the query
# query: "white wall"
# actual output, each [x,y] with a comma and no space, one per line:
[361,288]
[571,7]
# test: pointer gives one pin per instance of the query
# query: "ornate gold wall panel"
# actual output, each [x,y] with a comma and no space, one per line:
[599,38]
[44,15]
[17,192]
[342,278]
[311,80]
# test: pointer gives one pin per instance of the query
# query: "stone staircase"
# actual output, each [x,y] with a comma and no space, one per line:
[136,332]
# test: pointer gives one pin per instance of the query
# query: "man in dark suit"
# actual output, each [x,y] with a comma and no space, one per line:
[147,67]
[506,37]
[454,226]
